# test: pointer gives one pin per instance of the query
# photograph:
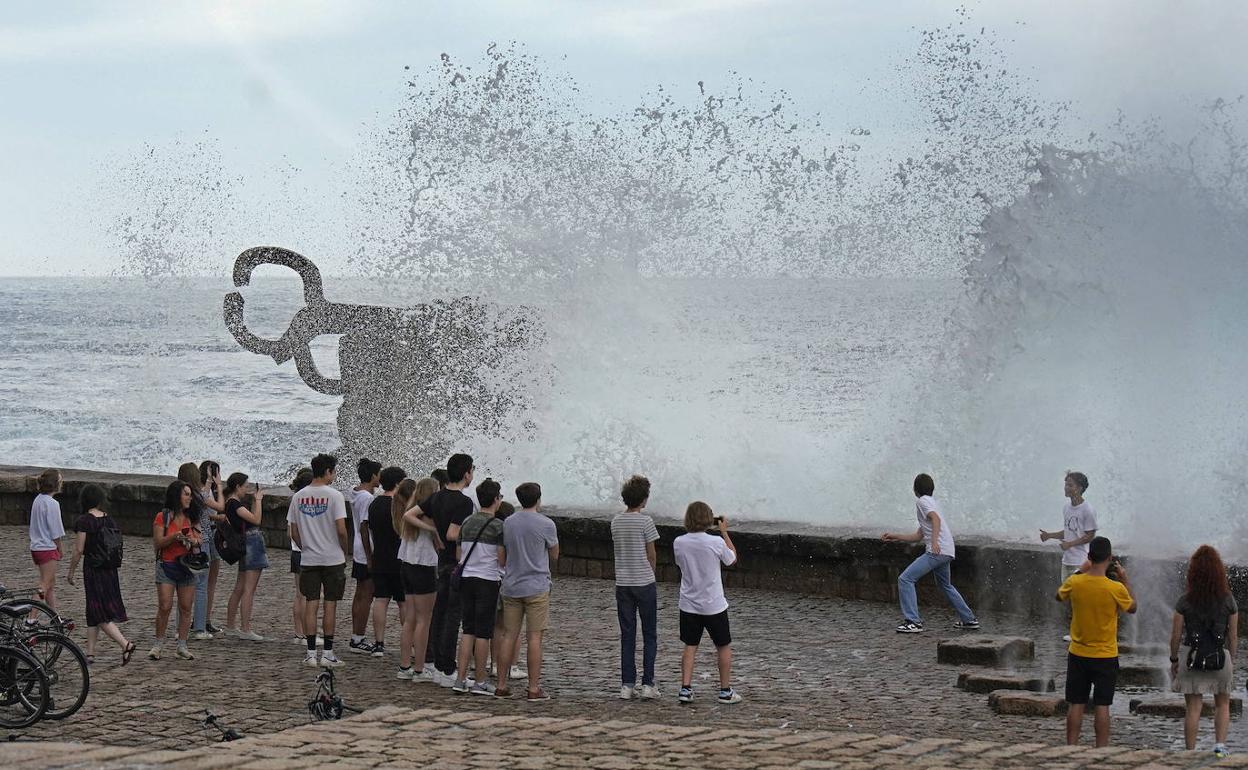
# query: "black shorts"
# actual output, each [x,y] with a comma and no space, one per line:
[295,557]
[1084,674]
[332,578]
[386,585]
[691,627]
[418,579]
[478,599]
[360,571]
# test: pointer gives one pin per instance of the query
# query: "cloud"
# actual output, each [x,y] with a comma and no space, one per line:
[128,26]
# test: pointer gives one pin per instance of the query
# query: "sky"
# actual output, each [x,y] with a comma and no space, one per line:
[289,94]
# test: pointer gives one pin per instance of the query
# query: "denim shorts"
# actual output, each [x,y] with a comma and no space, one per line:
[171,573]
[209,546]
[256,557]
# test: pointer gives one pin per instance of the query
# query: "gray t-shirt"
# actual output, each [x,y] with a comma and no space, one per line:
[631,532]
[1197,618]
[527,536]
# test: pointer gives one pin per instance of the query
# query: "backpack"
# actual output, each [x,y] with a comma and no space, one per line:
[1206,653]
[230,542]
[106,548]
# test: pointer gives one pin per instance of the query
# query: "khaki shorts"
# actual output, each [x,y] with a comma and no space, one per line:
[535,610]
[313,578]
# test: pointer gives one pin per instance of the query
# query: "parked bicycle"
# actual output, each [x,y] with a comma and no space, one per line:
[43,674]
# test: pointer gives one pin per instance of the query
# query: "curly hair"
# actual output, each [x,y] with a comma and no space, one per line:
[1206,577]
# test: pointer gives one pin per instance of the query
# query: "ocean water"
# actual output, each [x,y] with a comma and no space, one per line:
[136,375]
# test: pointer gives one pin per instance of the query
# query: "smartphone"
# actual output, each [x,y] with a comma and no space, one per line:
[186,530]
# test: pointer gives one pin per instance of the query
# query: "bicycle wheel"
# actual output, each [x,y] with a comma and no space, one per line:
[24,695]
[69,679]
[41,617]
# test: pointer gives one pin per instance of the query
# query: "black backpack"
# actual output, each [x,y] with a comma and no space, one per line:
[106,547]
[1206,643]
[230,542]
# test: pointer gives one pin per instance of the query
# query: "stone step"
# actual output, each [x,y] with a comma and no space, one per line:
[1026,703]
[1173,706]
[987,681]
[1138,673]
[983,650]
[1145,650]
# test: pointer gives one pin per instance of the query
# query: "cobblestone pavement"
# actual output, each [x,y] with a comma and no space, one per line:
[392,737]
[803,664]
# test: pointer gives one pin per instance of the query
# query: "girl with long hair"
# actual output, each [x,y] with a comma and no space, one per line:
[212,495]
[105,608]
[1207,608]
[174,534]
[418,571]
[242,511]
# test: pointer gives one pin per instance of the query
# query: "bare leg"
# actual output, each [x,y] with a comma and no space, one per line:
[47,582]
[466,645]
[1100,722]
[725,666]
[164,606]
[114,633]
[686,665]
[214,572]
[298,609]
[309,615]
[331,618]
[422,617]
[1221,716]
[360,605]
[236,596]
[507,653]
[406,636]
[379,619]
[481,650]
[1191,719]
[535,661]
[1074,722]
[93,635]
[251,579]
[186,611]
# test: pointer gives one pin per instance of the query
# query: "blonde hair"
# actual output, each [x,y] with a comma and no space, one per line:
[410,492]
[698,517]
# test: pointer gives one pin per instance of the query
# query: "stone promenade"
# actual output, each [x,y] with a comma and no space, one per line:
[824,680]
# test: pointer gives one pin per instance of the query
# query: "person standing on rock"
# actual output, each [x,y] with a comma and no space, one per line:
[1092,659]
[1203,642]
[1078,527]
[938,555]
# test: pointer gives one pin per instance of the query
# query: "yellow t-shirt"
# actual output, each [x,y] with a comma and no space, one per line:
[1095,602]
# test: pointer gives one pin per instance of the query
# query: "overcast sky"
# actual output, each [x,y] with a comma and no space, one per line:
[299,84]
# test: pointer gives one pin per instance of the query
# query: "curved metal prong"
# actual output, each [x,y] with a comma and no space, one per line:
[249,260]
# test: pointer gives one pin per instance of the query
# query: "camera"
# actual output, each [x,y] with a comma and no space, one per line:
[1111,571]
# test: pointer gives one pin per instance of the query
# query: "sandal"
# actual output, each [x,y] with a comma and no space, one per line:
[90,660]
[127,653]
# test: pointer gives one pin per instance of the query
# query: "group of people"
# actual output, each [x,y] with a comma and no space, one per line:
[468,572]
[1095,585]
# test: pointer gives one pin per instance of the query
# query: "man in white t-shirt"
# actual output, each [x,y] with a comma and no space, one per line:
[317,520]
[362,497]
[703,606]
[1078,528]
[938,554]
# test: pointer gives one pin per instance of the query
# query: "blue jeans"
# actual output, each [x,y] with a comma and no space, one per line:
[631,601]
[201,601]
[938,566]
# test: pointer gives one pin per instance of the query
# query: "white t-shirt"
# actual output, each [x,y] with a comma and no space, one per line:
[419,551]
[699,555]
[46,526]
[360,500]
[316,510]
[1077,521]
[923,506]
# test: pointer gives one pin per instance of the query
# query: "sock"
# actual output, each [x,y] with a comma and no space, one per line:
[357,638]
[329,642]
[405,668]
[311,640]
[181,644]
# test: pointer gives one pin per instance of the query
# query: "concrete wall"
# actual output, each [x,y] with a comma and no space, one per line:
[774,555]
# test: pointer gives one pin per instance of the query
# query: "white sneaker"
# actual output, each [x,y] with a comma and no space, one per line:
[1066,638]
[155,652]
[252,636]
[424,675]
[518,673]
[443,680]
[309,658]
[227,632]
[330,660]
[201,636]
[408,673]
[184,652]
[302,641]
[484,688]
[649,692]
[626,692]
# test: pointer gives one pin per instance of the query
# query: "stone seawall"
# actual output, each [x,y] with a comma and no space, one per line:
[843,562]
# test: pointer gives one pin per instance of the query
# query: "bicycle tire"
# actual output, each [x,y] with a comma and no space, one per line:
[24,688]
[42,617]
[69,676]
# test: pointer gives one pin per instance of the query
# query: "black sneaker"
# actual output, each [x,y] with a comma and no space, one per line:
[966,625]
[362,646]
[910,628]
[210,628]
[379,649]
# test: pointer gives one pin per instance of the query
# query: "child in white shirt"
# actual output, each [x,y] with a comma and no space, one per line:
[703,606]
[46,530]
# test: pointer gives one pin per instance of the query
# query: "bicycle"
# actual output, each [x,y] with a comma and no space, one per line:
[61,662]
[24,686]
[40,614]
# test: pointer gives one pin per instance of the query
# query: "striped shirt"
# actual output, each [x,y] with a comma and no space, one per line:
[630,533]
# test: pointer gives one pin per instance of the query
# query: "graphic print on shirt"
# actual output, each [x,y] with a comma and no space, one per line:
[314,506]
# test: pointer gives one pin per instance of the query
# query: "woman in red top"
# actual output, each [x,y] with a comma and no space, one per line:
[174,533]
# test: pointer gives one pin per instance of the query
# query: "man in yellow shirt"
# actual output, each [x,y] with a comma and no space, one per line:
[1092,662]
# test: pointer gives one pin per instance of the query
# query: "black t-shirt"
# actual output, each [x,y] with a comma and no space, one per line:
[450,506]
[231,513]
[381,533]
[1198,618]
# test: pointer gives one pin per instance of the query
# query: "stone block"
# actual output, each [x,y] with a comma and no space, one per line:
[987,681]
[1026,703]
[983,650]
[1173,706]
[1137,673]
[1144,650]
